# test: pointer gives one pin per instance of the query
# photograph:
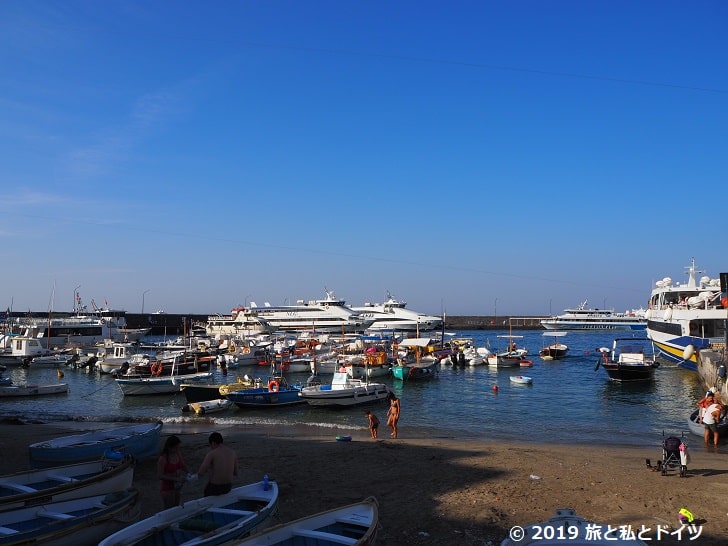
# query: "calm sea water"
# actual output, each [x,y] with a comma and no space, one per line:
[568,402]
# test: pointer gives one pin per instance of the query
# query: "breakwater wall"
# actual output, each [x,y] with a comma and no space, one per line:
[169,324]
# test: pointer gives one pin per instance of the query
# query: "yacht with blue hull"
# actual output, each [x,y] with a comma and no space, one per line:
[685,318]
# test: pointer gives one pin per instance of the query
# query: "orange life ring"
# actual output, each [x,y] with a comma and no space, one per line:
[157,368]
[246,350]
[274,386]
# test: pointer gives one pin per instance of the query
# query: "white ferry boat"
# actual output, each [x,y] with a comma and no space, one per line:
[327,315]
[393,315]
[582,318]
[83,328]
[683,319]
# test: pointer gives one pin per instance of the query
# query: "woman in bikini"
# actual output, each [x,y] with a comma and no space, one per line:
[172,472]
[393,414]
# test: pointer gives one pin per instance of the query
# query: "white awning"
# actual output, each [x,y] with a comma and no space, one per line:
[415,342]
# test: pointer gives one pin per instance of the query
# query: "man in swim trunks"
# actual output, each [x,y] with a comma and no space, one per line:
[222,462]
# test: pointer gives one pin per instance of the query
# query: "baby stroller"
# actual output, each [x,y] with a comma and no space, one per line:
[674,456]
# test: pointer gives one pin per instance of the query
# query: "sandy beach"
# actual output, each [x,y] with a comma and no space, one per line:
[442,491]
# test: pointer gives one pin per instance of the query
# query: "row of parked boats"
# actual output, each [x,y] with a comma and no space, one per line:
[91,500]
[94,502]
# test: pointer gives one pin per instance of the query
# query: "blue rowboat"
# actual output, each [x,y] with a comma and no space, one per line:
[140,441]
[60,483]
[206,521]
[78,521]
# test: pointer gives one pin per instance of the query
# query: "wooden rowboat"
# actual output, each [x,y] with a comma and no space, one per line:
[205,521]
[62,483]
[140,440]
[354,525]
[78,521]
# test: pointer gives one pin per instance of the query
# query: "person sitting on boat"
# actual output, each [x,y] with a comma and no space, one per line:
[512,346]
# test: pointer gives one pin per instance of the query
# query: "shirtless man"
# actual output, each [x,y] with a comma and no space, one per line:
[222,462]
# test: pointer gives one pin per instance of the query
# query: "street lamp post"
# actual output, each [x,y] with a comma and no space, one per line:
[143,295]
[495,309]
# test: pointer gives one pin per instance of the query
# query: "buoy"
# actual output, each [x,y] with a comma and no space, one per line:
[586,352]
[495,388]
[688,352]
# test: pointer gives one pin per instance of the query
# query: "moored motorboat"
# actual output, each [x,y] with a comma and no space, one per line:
[140,441]
[199,392]
[60,483]
[354,525]
[205,521]
[26,389]
[555,350]
[85,520]
[344,391]
[163,384]
[277,392]
[631,359]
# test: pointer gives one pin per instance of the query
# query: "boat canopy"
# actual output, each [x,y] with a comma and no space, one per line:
[415,342]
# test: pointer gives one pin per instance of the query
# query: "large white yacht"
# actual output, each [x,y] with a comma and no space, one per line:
[582,318]
[684,318]
[393,315]
[240,322]
[327,315]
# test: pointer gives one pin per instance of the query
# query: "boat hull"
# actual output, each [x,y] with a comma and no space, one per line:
[265,398]
[625,373]
[140,441]
[324,395]
[63,483]
[77,521]
[699,429]
[356,525]
[158,385]
[9,391]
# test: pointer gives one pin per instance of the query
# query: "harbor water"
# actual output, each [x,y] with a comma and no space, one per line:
[569,400]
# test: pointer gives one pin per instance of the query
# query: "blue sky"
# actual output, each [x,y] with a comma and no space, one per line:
[473,157]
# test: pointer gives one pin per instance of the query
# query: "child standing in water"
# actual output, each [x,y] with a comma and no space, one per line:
[373,423]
